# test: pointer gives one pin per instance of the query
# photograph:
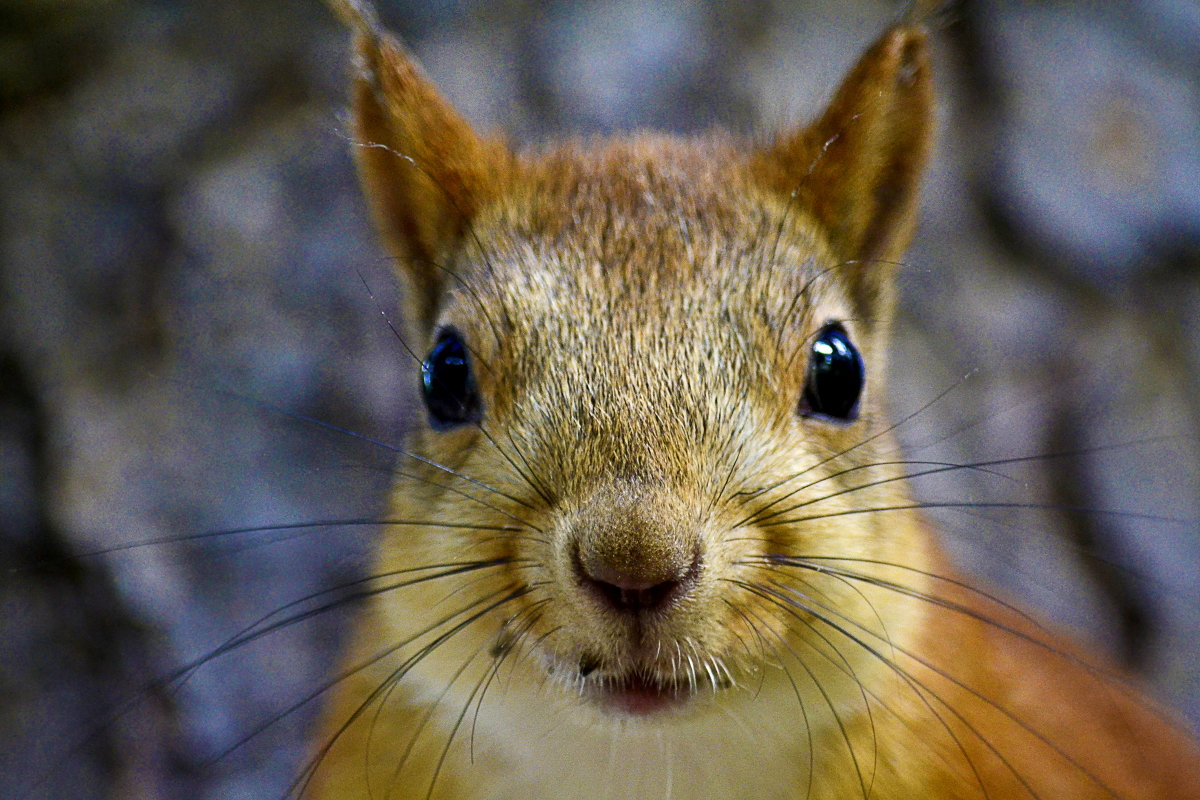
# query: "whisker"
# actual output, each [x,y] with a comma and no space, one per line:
[1028,728]
[1114,678]
[462,216]
[306,525]
[483,307]
[370,440]
[820,689]
[791,606]
[386,319]
[797,297]
[533,616]
[431,709]
[806,562]
[468,496]
[527,474]
[920,506]
[259,629]
[793,196]
[936,467]
[478,688]
[309,772]
[910,681]
[254,632]
[862,442]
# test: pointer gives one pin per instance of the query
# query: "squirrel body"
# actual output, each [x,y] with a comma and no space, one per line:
[648,545]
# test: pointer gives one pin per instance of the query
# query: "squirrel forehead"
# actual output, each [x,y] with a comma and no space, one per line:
[635,292]
[648,230]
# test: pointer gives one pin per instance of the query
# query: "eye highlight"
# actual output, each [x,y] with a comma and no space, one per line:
[448,383]
[835,377]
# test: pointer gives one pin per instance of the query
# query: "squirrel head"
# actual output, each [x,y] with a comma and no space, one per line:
[656,360]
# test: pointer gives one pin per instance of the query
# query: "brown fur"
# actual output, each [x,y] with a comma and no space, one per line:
[638,312]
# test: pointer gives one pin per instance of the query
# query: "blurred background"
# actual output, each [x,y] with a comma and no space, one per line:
[187,270]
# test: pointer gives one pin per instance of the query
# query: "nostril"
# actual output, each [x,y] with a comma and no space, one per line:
[636,599]
[636,590]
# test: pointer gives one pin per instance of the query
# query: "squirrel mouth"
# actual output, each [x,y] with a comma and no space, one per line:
[641,694]
[640,690]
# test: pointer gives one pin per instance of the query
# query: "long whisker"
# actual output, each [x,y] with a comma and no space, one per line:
[808,562]
[794,196]
[862,442]
[537,485]
[509,594]
[431,709]
[307,525]
[531,479]
[527,475]
[820,688]
[264,626]
[797,298]
[478,689]
[254,633]
[386,319]
[883,703]
[532,614]
[922,506]
[984,466]
[1115,679]
[370,440]
[483,307]
[936,467]
[468,496]
[795,691]
[793,607]
[276,620]
[833,612]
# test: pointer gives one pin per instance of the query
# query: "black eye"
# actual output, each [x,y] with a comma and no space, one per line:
[448,383]
[835,377]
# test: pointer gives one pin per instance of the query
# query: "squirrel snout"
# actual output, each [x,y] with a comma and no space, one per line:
[630,562]
[642,583]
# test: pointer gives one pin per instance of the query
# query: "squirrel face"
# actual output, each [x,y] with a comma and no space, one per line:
[640,321]
[655,350]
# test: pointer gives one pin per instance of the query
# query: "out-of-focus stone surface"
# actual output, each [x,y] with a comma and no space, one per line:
[1099,140]
[181,243]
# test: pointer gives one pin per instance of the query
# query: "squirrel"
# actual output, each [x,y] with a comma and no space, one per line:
[654,540]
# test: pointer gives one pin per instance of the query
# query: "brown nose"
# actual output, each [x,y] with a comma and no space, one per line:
[631,557]
[636,589]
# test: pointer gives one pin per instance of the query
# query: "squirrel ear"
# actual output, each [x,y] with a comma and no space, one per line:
[857,169]
[425,171]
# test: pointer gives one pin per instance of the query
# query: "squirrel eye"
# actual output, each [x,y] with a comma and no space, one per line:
[835,377]
[448,384]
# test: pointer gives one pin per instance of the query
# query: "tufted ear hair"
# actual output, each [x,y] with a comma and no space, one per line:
[857,169]
[425,172]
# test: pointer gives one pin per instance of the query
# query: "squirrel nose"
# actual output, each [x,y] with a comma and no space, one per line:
[634,548]
[636,585]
